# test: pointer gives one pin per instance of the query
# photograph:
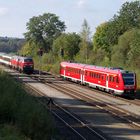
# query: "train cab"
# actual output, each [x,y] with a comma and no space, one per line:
[26,64]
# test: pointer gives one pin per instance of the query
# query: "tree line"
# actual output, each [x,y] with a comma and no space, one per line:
[9,45]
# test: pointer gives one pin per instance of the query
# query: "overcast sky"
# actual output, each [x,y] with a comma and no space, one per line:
[14,14]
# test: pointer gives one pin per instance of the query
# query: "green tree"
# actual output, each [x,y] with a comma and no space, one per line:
[69,43]
[99,38]
[107,34]
[125,54]
[29,49]
[134,52]
[85,45]
[43,29]
[11,44]
[127,18]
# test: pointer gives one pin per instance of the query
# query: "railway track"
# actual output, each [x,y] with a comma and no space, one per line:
[81,130]
[122,114]
[46,76]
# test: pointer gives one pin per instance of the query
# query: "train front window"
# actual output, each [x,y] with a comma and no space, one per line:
[128,78]
[28,60]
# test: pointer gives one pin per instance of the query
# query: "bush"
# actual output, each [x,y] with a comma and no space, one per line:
[23,110]
[9,132]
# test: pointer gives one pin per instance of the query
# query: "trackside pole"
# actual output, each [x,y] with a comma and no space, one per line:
[50,103]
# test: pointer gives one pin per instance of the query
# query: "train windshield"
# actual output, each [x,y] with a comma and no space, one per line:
[28,60]
[129,78]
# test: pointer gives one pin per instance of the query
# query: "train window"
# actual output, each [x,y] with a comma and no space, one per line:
[94,75]
[6,59]
[112,79]
[102,77]
[90,74]
[28,60]
[127,74]
[117,80]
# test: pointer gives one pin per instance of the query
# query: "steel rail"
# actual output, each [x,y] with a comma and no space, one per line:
[101,137]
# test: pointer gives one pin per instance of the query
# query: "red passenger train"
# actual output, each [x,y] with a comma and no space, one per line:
[112,80]
[22,64]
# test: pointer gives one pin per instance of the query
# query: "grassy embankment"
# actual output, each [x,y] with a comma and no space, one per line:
[22,117]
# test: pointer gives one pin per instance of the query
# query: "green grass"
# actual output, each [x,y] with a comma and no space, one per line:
[23,111]
[9,132]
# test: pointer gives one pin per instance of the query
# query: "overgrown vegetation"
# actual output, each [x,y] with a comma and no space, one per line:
[21,111]
[10,132]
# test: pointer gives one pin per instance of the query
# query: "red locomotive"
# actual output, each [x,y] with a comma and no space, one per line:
[112,80]
[22,64]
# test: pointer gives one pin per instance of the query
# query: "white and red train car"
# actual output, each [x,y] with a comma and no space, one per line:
[115,81]
[5,59]
[22,64]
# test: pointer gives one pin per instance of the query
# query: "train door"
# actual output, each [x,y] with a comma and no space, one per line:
[107,78]
[64,71]
[81,76]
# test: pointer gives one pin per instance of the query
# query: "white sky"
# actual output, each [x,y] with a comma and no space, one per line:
[14,14]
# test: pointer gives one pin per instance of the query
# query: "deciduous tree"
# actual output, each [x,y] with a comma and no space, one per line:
[69,44]
[43,29]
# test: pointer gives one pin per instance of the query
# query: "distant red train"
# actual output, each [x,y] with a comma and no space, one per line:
[113,80]
[22,64]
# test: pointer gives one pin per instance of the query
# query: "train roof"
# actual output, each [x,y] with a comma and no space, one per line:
[22,57]
[104,69]
[77,65]
[114,70]
[4,55]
